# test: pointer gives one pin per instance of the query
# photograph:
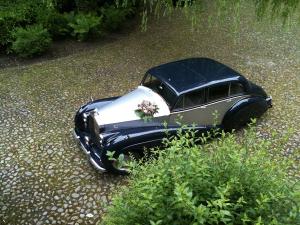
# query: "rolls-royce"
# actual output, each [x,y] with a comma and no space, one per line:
[192,89]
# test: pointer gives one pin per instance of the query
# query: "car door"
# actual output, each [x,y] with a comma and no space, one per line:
[190,108]
[217,104]
[213,102]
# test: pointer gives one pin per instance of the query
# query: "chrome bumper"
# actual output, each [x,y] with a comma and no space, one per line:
[269,101]
[87,152]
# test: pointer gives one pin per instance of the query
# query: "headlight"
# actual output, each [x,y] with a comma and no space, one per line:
[86,139]
[101,138]
[84,115]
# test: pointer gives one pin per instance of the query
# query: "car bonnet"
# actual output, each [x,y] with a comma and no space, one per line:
[123,108]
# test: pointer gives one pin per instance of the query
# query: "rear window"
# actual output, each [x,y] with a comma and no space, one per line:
[236,88]
[218,92]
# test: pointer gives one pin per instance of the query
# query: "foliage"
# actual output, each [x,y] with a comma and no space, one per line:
[62,18]
[56,23]
[194,9]
[119,162]
[12,15]
[81,5]
[227,181]
[30,41]
[64,5]
[91,5]
[115,16]
[85,25]
[54,14]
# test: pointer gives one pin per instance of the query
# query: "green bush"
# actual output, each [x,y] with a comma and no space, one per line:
[30,41]
[225,181]
[62,18]
[86,25]
[56,23]
[87,5]
[114,17]
[81,5]
[12,16]
[64,5]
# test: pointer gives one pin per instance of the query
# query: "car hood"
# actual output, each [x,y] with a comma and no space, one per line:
[123,108]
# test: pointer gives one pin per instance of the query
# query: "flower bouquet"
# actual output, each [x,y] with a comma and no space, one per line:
[146,110]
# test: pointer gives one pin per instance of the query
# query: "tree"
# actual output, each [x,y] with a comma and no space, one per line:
[282,9]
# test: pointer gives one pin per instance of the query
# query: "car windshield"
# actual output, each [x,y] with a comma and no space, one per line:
[160,88]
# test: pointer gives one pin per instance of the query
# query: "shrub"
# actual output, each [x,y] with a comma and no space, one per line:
[30,41]
[18,13]
[114,17]
[65,5]
[6,25]
[56,23]
[60,17]
[10,17]
[85,25]
[81,5]
[226,181]
[86,5]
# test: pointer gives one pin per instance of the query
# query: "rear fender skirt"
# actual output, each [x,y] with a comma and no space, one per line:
[241,113]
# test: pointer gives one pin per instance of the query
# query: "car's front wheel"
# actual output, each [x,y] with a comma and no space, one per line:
[121,162]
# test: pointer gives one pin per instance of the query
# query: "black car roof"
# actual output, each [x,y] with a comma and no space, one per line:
[193,73]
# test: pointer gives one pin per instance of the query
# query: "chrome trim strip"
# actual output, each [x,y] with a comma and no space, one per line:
[95,164]
[210,103]
[205,114]
[269,101]
[77,138]
[141,143]
[269,98]
[87,152]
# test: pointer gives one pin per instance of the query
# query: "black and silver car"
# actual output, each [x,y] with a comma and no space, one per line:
[193,89]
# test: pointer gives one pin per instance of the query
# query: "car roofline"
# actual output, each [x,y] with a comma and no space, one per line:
[240,78]
[168,70]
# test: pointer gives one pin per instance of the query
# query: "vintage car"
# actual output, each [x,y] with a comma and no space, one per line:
[192,88]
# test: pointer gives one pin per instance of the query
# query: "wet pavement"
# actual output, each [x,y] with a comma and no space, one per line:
[44,176]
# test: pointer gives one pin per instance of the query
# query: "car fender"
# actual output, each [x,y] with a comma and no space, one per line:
[85,110]
[130,139]
[97,104]
[138,138]
[134,137]
[242,111]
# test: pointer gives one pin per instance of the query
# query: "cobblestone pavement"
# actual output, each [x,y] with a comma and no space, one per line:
[46,179]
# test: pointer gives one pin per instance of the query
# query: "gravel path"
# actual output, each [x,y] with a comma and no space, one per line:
[46,179]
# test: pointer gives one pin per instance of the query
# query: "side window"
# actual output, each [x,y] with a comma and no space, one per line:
[189,100]
[218,92]
[194,98]
[236,88]
[179,104]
